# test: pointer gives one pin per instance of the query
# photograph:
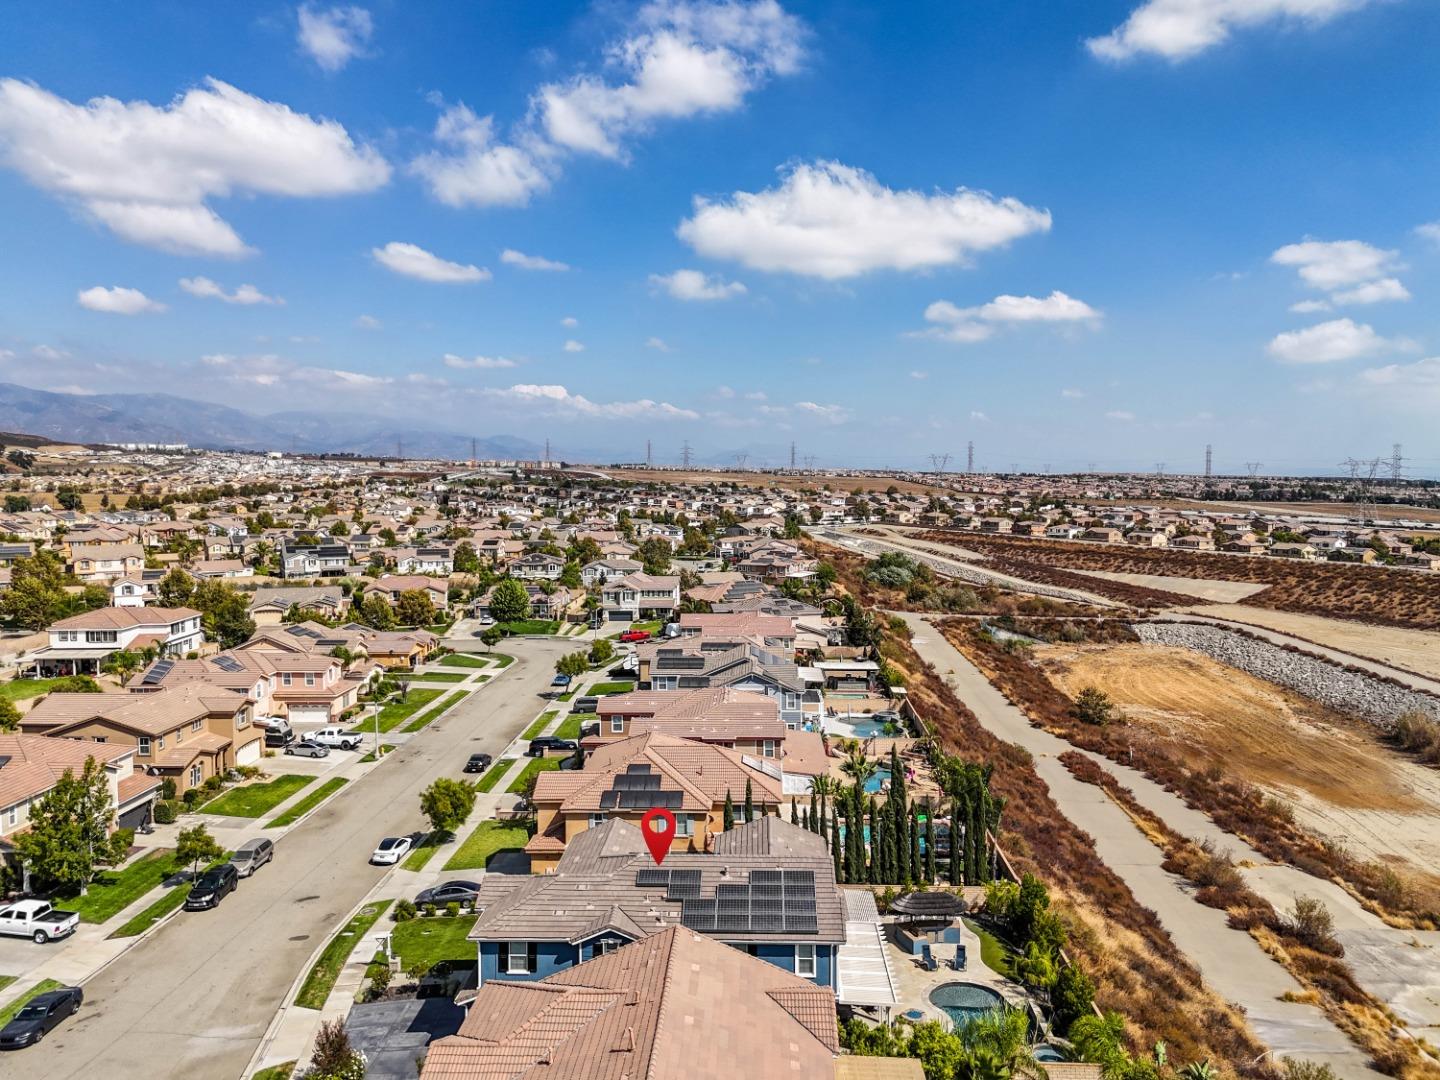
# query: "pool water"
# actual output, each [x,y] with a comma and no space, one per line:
[1046,1052]
[963,1002]
[877,781]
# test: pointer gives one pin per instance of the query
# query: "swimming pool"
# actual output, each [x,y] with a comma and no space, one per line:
[876,781]
[963,1002]
[1046,1052]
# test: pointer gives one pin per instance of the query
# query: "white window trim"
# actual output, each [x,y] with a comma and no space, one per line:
[617,725]
[805,957]
[522,950]
[142,746]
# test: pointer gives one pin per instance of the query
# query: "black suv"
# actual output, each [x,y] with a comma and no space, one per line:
[212,886]
[478,762]
[539,747]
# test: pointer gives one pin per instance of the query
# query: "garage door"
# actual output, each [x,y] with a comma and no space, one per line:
[134,817]
[316,714]
[249,754]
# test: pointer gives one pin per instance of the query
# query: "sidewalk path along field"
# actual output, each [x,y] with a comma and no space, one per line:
[199,993]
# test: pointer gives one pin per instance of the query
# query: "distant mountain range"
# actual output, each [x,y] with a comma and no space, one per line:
[164,418]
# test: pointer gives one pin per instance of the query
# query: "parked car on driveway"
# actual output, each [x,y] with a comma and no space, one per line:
[212,886]
[37,920]
[252,855]
[635,635]
[586,704]
[391,850]
[478,762]
[336,738]
[545,744]
[307,748]
[460,892]
[40,1016]
[278,734]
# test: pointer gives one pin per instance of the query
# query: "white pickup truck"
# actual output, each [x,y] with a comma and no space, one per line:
[336,738]
[38,920]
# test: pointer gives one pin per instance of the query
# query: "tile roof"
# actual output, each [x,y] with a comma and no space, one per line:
[123,618]
[35,763]
[710,703]
[648,1009]
[152,713]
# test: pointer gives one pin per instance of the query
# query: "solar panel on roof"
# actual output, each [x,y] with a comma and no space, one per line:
[767,923]
[609,800]
[228,663]
[157,672]
[798,876]
[765,903]
[733,904]
[652,877]
[765,877]
[797,904]
[732,924]
[682,890]
[698,914]
[733,891]
[802,924]
[640,768]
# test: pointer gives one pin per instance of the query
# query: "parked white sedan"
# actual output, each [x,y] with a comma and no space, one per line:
[336,738]
[391,850]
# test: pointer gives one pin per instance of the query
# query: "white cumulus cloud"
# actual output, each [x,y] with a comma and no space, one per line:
[1373,292]
[511,257]
[557,400]
[694,285]
[1179,29]
[574,346]
[333,36]
[1331,342]
[117,300]
[413,261]
[1310,307]
[146,172]
[1335,264]
[833,221]
[478,362]
[658,344]
[830,414]
[472,169]
[968,325]
[368,322]
[246,294]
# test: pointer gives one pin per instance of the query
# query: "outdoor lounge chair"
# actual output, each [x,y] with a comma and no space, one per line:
[927,958]
[958,963]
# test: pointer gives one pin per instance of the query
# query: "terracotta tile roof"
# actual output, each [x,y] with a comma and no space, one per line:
[190,749]
[153,713]
[123,618]
[37,762]
[711,703]
[850,1067]
[745,624]
[136,785]
[648,1009]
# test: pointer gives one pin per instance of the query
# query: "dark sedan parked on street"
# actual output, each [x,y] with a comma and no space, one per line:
[40,1016]
[478,762]
[461,892]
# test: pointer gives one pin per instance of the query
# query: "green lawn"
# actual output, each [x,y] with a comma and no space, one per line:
[115,890]
[488,838]
[6,980]
[439,677]
[570,727]
[501,660]
[312,799]
[420,857]
[397,712]
[425,717]
[469,660]
[256,800]
[276,1072]
[539,724]
[25,689]
[535,765]
[321,979]
[431,940]
[994,953]
[385,748]
[601,689]
[8,1013]
[653,625]
[172,899]
[493,774]
[530,626]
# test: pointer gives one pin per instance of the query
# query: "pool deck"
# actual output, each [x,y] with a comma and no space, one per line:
[913,983]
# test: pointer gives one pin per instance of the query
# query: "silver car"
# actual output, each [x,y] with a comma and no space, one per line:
[307,748]
[252,855]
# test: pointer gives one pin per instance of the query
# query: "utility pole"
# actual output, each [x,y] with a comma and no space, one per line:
[1208,471]
[473,457]
[792,455]
[970,456]
[1397,461]
[685,454]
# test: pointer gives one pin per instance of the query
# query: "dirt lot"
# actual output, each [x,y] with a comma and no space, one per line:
[1224,592]
[1341,781]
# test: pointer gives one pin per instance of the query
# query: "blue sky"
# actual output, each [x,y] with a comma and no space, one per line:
[1071,233]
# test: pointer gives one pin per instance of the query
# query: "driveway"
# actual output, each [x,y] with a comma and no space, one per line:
[195,998]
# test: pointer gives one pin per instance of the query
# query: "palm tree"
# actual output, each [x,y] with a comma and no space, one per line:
[997,1046]
[122,664]
[857,766]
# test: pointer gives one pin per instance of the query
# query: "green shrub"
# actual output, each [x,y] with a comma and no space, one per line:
[429,910]
[191,797]
[452,909]
[166,812]
[404,911]
[167,788]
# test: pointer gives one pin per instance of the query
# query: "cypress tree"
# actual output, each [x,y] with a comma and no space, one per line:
[729,819]
[835,847]
[955,839]
[749,802]
[916,868]
[974,835]
[794,813]
[812,820]
[872,872]
[880,849]
[930,875]
[854,837]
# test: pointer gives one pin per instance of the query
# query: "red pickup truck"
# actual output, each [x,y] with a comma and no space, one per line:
[635,635]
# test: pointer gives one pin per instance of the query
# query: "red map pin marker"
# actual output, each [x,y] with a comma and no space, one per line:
[658,827]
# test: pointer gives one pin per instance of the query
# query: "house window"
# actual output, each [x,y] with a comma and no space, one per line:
[161,742]
[604,948]
[684,825]
[195,777]
[143,746]
[790,699]
[517,958]
[596,820]
[195,725]
[309,678]
[617,725]
[285,679]
[101,738]
[12,816]
[767,747]
[805,961]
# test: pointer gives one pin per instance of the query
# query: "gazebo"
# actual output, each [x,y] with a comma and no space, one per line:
[928,907]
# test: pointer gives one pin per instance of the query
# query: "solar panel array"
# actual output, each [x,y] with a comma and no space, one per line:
[228,663]
[158,671]
[771,902]
[637,788]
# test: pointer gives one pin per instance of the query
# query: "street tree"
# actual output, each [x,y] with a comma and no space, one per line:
[69,837]
[194,846]
[510,602]
[447,803]
[414,608]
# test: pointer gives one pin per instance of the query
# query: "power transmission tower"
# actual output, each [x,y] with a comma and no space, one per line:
[1160,468]
[399,449]
[649,456]
[473,457]
[1362,487]
[740,460]
[1253,467]
[1397,461]
[940,461]
[970,456]
[792,455]
[1208,471]
[809,460]
[685,454]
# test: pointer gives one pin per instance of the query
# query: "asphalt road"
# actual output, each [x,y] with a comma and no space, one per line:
[194,999]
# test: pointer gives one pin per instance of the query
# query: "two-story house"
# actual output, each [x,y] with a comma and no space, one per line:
[80,644]
[106,562]
[603,570]
[638,596]
[767,888]
[699,663]
[723,716]
[31,765]
[392,585]
[330,559]
[537,565]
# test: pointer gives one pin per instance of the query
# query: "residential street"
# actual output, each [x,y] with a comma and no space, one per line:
[196,997]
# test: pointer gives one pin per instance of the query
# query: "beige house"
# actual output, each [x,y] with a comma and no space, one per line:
[31,765]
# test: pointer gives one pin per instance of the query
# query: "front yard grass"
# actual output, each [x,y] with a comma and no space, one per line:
[312,799]
[425,717]
[539,724]
[501,660]
[431,940]
[536,765]
[420,857]
[467,660]
[256,800]
[530,626]
[439,677]
[570,727]
[321,979]
[6,980]
[488,838]
[115,890]
[8,1013]
[493,774]
[601,689]
[397,712]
